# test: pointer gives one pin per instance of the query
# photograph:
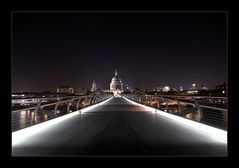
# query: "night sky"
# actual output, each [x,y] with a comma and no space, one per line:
[152,49]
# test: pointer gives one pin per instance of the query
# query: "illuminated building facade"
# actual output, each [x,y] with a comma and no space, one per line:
[65,89]
[166,88]
[193,86]
[193,90]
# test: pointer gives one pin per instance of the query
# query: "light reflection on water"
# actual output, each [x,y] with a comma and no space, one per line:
[27,118]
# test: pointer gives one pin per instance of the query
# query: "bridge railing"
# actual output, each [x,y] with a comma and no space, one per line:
[31,111]
[205,109]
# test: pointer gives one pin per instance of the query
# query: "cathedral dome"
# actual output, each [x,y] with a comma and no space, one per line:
[116,84]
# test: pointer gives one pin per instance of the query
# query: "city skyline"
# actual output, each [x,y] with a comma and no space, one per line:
[151,49]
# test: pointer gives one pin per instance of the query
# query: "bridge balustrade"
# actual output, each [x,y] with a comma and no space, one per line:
[49,108]
[204,109]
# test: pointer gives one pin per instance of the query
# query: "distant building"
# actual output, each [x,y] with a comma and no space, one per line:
[80,93]
[93,87]
[116,84]
[222,89]
[127,87]
[166,88]
[65,89]
[204,88]
[181,88]
[193,86]
[193,90]
[158,89]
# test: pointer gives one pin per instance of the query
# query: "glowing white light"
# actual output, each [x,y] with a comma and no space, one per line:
[166,88]
[24,134]
[215,133]
[21,135]
[131,101]
[146,107]
[95,105]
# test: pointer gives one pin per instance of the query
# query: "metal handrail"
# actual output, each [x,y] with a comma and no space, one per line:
[192,97]
[215,108]
[50,104]
[32,115]
[185,96]
[205,112]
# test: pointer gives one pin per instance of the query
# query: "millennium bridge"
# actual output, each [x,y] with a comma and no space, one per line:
[120,125]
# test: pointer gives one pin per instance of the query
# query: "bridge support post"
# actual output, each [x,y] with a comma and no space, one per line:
[78,103]
[89,99]
[158,104]
[179,105]
[69,104]
[166,106]
[95,101]
[68,107]
[165,103]
[36,110]
[55,109]
[198,107]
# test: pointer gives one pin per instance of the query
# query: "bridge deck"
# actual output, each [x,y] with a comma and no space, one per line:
[119,128]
